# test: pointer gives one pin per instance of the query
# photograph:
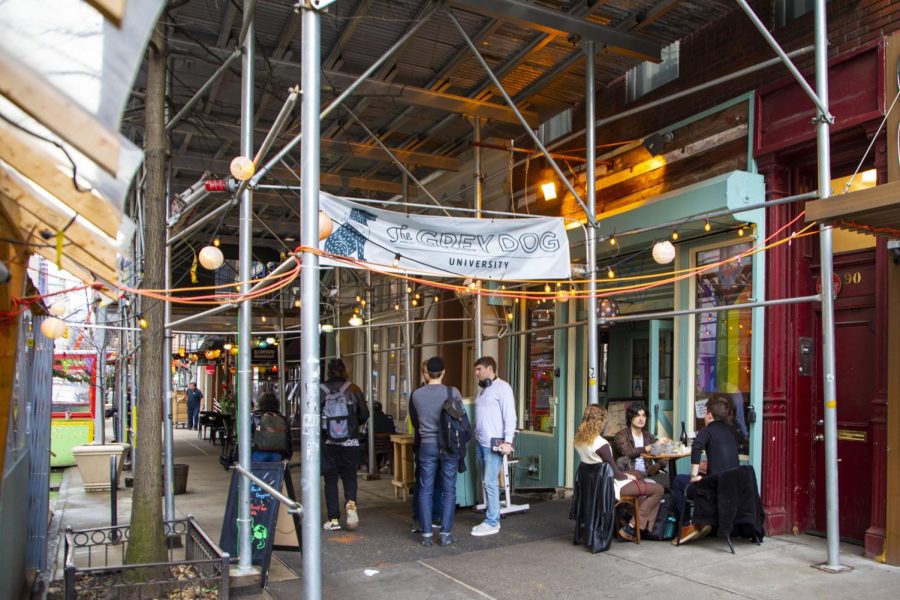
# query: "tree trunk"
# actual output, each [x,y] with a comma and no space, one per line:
[147,541]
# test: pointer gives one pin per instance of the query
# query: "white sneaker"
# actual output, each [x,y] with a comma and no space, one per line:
[352,516]
[483,529]
[332,525]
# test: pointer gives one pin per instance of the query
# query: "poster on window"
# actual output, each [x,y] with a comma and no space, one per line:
[492,249]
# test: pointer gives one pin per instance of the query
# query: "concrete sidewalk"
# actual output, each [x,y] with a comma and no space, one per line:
[532,557]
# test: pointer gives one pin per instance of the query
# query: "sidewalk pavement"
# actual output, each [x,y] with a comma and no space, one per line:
[531,557]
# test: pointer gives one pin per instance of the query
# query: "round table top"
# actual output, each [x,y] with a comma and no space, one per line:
[665,456]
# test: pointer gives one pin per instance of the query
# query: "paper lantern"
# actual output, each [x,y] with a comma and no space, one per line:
[663,252]
[356,321]
[607,308]
[211,258]
[53,328]
[59,309]
[242,168]
[325,225]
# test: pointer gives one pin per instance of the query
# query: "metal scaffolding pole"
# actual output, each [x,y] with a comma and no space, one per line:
[337,312]
[591,231]
[479,197]
[245,253]
[370,393]
[100,396]
[260,173]
[282,376]
[407,328]
[309,296]
[829,387]
[515,109]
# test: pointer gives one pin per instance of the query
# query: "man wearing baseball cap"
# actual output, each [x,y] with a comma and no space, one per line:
[435,463]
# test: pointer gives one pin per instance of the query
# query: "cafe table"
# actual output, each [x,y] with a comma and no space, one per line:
[672,457]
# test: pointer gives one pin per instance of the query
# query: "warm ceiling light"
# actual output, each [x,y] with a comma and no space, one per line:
[396,262]
[549,190]
[546,288]
[297,303]
[327,328]
[870,176]
[355,321]
[706,225]
[227,346]
[264,318]
[663,252]
[612,241]
[675,234]
[217,242]
[270,340]
[143,323]
[610,273]
[396,307]
[234,351]
[741,231]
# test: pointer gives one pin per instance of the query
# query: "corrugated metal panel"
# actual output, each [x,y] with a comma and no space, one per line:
[536,451]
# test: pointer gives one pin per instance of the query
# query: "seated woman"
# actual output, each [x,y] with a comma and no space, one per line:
[634,440]
[593,449]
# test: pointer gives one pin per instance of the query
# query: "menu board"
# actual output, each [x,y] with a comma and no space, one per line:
[264,514]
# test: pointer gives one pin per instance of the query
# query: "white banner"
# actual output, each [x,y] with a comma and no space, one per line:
[500,249]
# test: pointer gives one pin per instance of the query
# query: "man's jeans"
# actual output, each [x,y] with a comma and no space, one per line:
[265,456]
[679,493]
[489,462]
[193,416]
[431,462]
[437,498]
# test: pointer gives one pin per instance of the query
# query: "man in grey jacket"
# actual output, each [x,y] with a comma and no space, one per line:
[495,426]
[435,463]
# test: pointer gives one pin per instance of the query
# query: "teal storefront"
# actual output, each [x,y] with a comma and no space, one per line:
[672,363]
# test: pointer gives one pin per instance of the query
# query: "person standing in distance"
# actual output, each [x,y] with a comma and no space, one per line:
[437,466]
[194,396]
[495,419]
[344,410]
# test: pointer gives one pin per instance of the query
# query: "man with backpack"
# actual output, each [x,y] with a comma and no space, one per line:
[344,410]
[441,429]
[271,431]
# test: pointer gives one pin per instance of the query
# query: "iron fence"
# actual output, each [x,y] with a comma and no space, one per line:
[95,566]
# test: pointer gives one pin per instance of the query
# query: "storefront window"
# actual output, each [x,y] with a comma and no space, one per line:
[539,399]
[722,338]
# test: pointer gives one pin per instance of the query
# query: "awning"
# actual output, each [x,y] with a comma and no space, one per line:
[874,210]
[65,74]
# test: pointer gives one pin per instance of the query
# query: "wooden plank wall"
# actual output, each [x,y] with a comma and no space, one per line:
[699,150]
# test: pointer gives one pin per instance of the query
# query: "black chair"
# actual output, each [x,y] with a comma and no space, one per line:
[728,501]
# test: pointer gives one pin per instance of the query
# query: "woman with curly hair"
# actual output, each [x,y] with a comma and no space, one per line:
[593,449]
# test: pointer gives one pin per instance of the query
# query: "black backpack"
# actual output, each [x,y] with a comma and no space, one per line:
[271,433]
[456,430]
[666,526]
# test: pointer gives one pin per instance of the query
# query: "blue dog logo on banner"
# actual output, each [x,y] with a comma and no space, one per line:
[350,239]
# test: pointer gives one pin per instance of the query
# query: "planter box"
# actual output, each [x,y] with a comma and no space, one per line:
[95,567]
[93,463]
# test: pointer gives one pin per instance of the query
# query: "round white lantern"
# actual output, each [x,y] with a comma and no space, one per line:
[663,252]
[325,226]
[242,168]
[59,309]
[211,258]
[356,321]
[53,328]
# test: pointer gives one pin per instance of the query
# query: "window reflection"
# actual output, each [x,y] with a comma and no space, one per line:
[723,337]
[538,405]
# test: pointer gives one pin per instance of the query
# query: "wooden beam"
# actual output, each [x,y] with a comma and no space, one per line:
[58,113]
[33,214]
[112,10]
[865,204]
[340,182]
[43,168]
[438,101]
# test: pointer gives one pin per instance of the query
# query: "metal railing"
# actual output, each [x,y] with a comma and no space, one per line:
[95,565]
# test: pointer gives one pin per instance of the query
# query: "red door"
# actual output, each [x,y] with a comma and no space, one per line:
[855,356]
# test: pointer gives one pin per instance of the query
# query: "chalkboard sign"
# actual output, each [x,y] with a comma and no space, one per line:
[264,512]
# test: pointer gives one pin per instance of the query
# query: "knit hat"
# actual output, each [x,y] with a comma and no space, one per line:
[435,364]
